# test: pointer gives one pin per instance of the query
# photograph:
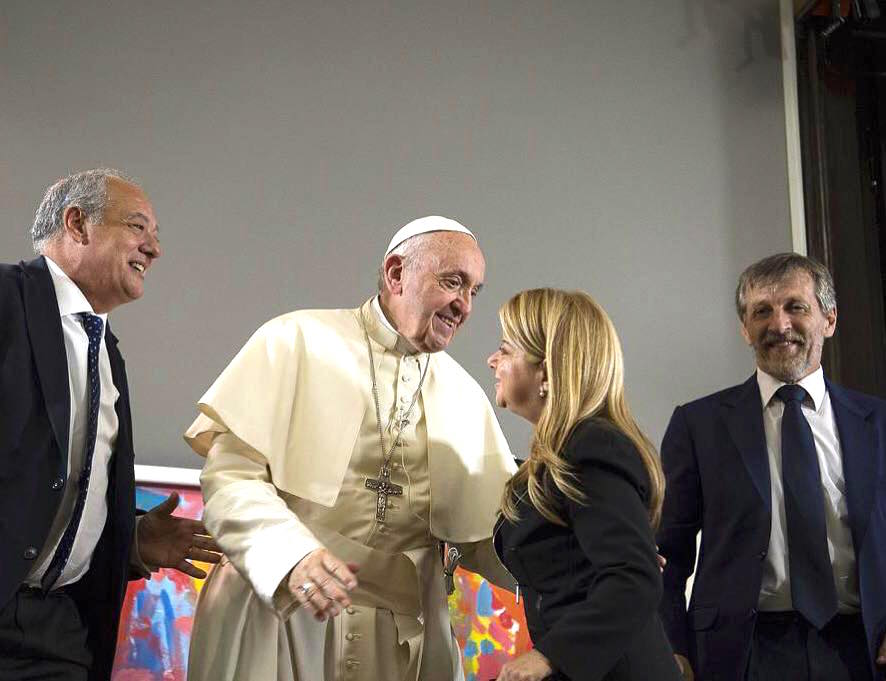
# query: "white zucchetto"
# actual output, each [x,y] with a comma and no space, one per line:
[430,223]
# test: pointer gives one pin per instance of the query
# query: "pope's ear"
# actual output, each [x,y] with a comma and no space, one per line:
[393,273]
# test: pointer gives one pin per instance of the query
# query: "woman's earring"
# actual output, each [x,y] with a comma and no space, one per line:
[542,392]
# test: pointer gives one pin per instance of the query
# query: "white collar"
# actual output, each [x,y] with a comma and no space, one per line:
[70,298]
[398,343]
[376,307]
[813,384]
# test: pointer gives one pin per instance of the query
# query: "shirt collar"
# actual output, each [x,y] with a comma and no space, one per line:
[813,384]
[70,298]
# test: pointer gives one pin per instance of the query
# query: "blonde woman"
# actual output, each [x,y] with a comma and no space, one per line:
[577,517]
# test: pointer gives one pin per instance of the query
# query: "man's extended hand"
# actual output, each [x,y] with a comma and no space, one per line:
[685,667]
[167,541]
[321,582]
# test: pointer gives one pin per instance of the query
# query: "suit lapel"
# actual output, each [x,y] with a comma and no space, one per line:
[118,374]
[120,467]
[48,346]
[109,572]
[743,414]
[857,446]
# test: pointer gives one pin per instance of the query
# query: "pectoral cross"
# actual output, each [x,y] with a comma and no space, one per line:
[384,488]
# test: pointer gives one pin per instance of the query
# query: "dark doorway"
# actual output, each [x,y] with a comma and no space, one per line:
[841,64]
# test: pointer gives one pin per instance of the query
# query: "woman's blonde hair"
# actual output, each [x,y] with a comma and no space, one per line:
[575,338]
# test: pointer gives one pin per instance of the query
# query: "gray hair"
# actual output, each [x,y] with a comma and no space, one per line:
[412,251]
[775,268]
[88,190]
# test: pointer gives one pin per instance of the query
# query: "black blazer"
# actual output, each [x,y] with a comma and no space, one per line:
[717,468]
[592,588]
[34,424]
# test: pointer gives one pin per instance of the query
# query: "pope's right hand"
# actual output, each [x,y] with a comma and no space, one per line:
[321,582]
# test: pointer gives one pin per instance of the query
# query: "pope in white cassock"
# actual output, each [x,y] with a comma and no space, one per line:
[341,447]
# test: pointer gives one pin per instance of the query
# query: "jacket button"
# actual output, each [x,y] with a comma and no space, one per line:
[761,555]
[752,612]
[30,553]
[58,483]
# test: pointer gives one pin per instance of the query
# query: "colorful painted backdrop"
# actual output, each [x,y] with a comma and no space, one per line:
[488,623]
[155,629]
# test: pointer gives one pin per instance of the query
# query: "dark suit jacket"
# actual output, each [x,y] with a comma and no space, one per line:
[717,468]
[592,588]
[34,424]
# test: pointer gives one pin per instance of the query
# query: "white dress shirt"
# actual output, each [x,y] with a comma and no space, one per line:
[775,592]
[70,302]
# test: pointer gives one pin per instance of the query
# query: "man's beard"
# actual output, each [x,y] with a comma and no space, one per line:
[787,367]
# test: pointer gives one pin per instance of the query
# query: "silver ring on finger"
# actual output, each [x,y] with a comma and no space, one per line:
[306,588]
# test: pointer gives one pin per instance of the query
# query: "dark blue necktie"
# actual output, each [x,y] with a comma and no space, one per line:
[812,579]
[93,326]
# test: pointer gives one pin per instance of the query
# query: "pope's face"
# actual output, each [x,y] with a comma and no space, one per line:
[435,292]
[785,325]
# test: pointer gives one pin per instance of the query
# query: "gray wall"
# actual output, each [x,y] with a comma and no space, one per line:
[634,149]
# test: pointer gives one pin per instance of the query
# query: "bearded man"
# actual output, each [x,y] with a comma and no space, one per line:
[781,477]
[342,446]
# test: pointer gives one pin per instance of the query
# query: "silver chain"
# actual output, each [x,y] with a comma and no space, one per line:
[386,456]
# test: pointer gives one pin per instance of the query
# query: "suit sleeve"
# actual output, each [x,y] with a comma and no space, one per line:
[612,529]
[871,555]
[680,524]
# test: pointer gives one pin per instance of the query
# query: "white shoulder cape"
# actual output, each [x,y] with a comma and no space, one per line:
[298,391]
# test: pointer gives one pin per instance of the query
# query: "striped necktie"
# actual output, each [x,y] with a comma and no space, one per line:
[93,326]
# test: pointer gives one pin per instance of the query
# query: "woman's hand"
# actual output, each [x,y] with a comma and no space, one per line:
[685,667]
[532,666]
